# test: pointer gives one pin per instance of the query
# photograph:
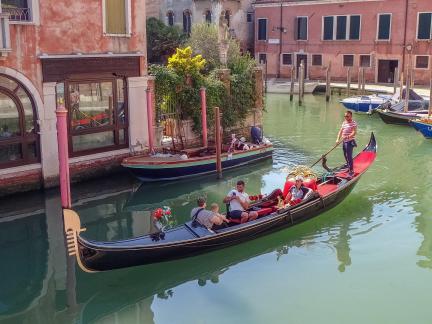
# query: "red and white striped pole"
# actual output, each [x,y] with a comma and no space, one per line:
[150,120]
[204,115]
[63,151]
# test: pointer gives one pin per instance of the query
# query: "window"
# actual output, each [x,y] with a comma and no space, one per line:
[208,16]
[286,59]
[341,27]
[365,60]
[187,22]
[301,28]
[249,17]
[422,62]
[170,18]
[384,26]
[18,125]
[97,115]
[116,21]
[262,58]
[317,59]
[348,60]
[424,28]
[18,10]
[262,29]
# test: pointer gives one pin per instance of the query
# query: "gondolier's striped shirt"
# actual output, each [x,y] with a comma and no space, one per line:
[348,128]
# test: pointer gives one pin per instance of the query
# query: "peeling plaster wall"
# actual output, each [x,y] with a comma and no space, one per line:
[68,27]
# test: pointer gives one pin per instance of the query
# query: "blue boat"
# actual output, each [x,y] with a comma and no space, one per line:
[365,104]
[424,126]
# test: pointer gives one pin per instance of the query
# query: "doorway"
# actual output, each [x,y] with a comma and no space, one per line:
[386,70]
[299,58]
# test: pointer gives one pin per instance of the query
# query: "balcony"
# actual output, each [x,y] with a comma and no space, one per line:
[18,14]
[5,47]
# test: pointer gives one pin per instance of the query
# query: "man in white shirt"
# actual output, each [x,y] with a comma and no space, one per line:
[239,202]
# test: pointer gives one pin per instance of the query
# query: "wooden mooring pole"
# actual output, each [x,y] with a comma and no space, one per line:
[328,83]
[359,81]
[430,95]
[348,81]
[63,151]
[408,82]
[292,83]
[401,85]
[363,81]
[395,80]
[301,82]
[204,116]
[218,142]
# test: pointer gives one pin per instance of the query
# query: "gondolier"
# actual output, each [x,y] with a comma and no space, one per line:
[347,134]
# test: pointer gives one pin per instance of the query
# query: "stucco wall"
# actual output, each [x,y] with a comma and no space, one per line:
[68,27]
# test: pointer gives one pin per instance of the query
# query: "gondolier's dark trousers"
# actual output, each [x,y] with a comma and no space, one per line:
[348,152]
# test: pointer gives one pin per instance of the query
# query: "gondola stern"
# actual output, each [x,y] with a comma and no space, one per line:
[72,228]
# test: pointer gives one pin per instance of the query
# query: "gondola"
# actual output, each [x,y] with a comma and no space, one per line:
[192,239]
[398,118]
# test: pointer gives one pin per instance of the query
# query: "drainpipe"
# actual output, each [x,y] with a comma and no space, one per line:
[280,41]
[405,36]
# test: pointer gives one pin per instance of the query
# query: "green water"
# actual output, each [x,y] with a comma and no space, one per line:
[369,260]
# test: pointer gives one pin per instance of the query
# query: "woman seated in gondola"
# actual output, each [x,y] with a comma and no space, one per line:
[298,192]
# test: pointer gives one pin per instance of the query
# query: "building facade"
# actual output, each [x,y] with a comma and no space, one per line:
[238,15]
[378,35]
[88,56]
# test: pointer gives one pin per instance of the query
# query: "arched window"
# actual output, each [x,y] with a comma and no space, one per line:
[187,22]
[227,16]
[18,125]
[170,18]
[208,16]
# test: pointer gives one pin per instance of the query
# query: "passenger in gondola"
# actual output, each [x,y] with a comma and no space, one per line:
[239,201]
[298,192]
[207,217]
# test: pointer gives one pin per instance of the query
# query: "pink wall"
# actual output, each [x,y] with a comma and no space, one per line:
[333,50]
[68,27]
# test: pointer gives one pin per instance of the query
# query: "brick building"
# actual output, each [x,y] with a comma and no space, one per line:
[378,35]
[87,54]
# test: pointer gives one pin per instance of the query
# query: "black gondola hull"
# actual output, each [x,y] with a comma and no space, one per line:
[395,118]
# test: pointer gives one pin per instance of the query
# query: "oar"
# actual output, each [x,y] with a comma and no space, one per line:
[324,155]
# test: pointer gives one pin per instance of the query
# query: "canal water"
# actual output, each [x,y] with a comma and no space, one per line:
[369,260]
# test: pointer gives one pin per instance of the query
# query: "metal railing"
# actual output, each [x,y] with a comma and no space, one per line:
[18,14]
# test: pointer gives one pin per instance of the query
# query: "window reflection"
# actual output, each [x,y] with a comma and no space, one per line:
[9,117]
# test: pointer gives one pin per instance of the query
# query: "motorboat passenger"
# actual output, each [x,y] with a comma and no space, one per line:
[298,192]
[207,217]
[239,201]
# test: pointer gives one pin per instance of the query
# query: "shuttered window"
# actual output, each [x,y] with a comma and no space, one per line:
[286,59]
[348,60]
[262,29]
[347,27]
[115,17]
[365,60]
[341,27]
[301,28]
[316,59]
[354,27]
[422,62]
[384,23]
[328,28]
[424,25]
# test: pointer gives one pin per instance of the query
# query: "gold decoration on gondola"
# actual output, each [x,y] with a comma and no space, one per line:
[72,227]
[302,170]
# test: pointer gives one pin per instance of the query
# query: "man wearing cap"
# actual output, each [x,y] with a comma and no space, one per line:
[297,192]
[239,202]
